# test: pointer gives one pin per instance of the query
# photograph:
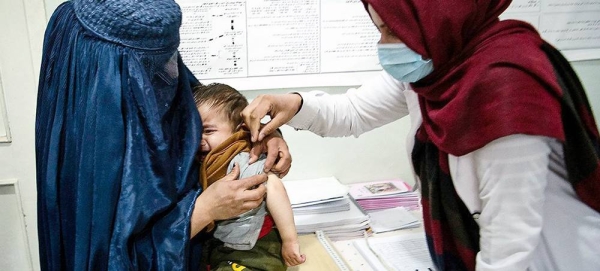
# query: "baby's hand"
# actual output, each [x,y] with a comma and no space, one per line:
[291,253]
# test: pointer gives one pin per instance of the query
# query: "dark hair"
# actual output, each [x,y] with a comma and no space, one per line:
[221,97]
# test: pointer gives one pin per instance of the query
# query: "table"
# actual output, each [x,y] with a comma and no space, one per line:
[317,258]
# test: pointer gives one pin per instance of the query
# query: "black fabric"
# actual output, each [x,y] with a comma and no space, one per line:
[582,141]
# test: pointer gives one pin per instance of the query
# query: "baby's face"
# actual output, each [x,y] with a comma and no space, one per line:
[216,129]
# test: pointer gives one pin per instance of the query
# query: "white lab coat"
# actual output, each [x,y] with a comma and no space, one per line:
[529,215]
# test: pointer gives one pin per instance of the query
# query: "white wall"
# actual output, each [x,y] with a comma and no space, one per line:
[376,155]
[379,154]
[589,74]
[22,25]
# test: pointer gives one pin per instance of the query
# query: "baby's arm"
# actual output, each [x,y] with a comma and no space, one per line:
[279,206]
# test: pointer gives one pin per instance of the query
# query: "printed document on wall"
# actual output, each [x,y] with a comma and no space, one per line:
[572,26]
[213,38]
[266,44]
[293,43]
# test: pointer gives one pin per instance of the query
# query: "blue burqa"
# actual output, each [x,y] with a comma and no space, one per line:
[116,133]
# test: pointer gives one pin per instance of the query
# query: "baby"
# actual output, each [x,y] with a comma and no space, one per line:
[249,240]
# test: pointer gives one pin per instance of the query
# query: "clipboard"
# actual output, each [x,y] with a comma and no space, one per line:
[321,255]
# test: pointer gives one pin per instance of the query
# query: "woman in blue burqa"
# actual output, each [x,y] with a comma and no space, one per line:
[116,136]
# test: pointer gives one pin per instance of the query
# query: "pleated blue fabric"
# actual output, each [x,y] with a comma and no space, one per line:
[116,134]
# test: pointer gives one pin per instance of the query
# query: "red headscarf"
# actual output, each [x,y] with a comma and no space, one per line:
[490,78]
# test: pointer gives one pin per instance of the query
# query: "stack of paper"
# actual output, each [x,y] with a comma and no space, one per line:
[398,253]
[323,204]
[384,194]
[337,225]
[339,205]
[392,219]
[314,191]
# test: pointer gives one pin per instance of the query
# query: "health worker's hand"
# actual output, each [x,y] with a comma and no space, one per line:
[281,108]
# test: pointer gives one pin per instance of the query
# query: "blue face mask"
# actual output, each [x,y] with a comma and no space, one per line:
[403,63]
